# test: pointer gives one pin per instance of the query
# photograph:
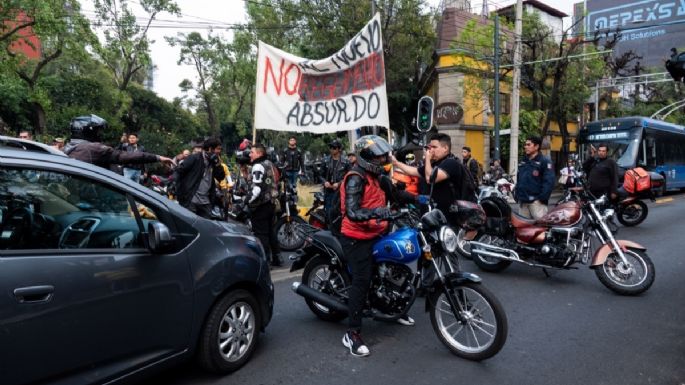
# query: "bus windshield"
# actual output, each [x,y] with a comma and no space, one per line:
[623,151]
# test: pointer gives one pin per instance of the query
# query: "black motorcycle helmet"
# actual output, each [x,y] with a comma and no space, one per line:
[373,154]
[88,128]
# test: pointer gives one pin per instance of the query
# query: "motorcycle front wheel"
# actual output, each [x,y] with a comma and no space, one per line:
[633,213]
[627,280]
[287,235]
[319,275]
[479,332]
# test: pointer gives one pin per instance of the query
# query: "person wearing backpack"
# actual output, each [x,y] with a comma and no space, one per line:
[452,181]
[602,172]
[471,164]
[261,198]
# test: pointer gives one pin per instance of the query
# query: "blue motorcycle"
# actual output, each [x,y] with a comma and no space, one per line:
[465,316]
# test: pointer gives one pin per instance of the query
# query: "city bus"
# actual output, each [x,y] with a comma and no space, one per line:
[655,145]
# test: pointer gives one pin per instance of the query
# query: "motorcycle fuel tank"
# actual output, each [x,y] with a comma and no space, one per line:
[401,246]
[565,214]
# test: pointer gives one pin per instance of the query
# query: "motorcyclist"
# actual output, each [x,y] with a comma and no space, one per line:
[364,195]
[85,145]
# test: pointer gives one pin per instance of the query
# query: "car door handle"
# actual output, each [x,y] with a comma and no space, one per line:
[34,294]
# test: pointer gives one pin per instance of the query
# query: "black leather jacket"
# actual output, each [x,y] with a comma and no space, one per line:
[292,158]
[105,156]
[333,171]
[354,192]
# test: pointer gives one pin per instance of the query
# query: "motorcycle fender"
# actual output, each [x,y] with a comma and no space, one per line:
[451,280]
[603,252]
[300,259]
[470,235]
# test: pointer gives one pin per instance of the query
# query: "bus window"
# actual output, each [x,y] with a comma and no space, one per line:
[649,151]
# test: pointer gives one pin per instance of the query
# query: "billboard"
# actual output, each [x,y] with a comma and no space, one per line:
[649,28]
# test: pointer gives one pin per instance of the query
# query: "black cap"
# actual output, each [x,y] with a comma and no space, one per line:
[335,144]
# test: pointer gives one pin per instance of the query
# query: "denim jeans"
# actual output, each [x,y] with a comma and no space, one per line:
[132,174]
[292,178]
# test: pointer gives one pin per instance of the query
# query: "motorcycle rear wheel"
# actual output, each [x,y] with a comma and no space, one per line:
[633,214]
[287,235]
[489,264]
[319,275]
[482,331]
[623,280]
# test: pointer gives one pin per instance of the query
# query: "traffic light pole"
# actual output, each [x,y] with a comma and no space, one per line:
[496,98]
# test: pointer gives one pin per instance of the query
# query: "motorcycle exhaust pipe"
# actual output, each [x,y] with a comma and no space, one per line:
[494,251]
[319,297]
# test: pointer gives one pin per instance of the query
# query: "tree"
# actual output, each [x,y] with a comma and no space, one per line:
[208,57]
[126,50]
[55,27]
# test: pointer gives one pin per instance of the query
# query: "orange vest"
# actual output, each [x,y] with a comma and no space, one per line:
[373,197]
[412,182]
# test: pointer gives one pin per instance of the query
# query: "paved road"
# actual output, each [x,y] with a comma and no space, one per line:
[566,329]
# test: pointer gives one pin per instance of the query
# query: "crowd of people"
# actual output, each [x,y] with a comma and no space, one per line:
[359,187]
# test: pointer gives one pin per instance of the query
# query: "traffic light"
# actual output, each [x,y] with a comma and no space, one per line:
[424,115]
[676,65]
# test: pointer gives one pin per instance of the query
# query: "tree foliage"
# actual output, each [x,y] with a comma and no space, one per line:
[126,49]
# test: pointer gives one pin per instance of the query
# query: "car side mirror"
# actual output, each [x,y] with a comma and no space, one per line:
[159,237]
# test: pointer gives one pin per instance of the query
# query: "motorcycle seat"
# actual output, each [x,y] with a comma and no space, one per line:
[519,221]
[330,240]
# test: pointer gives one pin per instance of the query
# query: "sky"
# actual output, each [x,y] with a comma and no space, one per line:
[168,74]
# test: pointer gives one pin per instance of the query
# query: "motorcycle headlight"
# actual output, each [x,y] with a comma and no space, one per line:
[449,239]
[608,213]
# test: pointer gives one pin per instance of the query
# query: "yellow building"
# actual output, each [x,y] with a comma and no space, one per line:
[463,109]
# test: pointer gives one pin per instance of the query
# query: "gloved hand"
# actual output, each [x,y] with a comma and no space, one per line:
[382,213]
[422,199]
[214,160]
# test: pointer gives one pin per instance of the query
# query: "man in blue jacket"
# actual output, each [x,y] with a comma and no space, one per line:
[535,180]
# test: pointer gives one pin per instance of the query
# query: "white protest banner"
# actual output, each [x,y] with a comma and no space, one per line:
[342,92]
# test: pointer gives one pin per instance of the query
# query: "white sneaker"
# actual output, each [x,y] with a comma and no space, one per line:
[353,341]
[406,320]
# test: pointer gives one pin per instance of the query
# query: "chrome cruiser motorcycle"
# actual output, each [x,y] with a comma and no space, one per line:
[466,317]
[563,238]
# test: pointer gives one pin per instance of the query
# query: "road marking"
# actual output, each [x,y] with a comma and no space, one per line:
[664,200]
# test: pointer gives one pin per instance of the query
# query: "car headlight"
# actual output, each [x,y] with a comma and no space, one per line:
[449,239]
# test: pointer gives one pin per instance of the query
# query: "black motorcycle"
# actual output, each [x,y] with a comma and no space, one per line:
[288,219]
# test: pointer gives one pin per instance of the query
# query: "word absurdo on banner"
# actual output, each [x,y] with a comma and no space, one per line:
[343,91]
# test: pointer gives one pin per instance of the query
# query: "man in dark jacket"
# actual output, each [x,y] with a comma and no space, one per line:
[86,132]
[292,160]
[333,171]
[470,163]
[535,180]
[195,177]
[134,171]
[261,201]
[602,172]
[450,182]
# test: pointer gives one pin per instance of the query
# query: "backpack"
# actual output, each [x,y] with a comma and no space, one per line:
[479,174]
[637,180]
[467,189]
